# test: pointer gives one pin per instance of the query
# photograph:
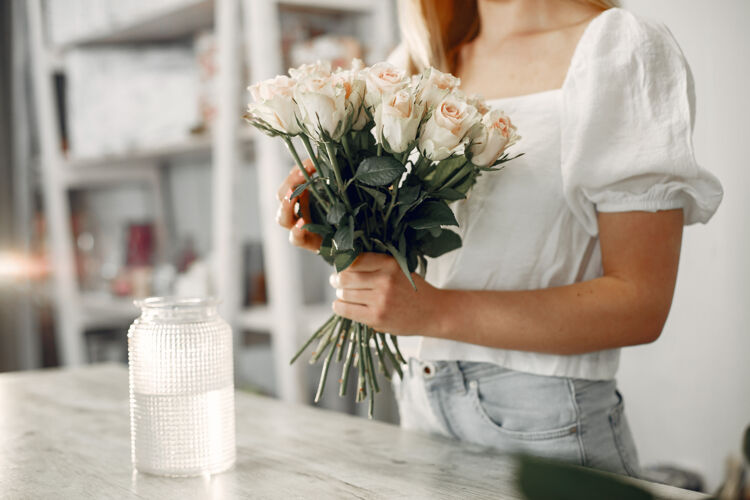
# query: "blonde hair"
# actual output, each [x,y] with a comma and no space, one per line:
[433,31]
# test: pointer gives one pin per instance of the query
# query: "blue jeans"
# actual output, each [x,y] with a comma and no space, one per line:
[575,420]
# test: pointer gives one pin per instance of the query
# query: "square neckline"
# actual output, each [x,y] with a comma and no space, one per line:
[577,49]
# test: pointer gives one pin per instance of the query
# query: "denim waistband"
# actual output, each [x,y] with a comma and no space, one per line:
[453,375]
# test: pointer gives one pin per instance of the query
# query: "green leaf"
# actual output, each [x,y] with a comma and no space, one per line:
[379,244]
[342,260]
[466,184]
[411,259]
[432,213]
[299,189]
[321,229]
[359,207]
[336,213]
[445,169]
[543,479]
[407,195]
[449,194]
[326,248]
[435,246]
[401,262]
[435,231]
[344,237]
[379,170]
[378,197]
[746,446]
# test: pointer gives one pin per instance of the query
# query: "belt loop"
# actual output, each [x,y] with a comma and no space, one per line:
[462,376]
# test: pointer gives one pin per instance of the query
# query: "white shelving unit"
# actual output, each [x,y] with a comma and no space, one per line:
[256,25]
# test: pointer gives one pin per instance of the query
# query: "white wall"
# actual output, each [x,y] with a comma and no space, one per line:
[688,395]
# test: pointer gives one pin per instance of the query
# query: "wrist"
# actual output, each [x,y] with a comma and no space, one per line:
[441,315]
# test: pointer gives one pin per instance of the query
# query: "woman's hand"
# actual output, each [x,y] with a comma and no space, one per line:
[285,215]
[373,290]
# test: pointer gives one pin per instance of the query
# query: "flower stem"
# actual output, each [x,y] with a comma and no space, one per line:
[337,172]
[347,364]
[324,375]
[400,356]
[394,194]
[389,354]
[313,337]
[297,160]
[316,163]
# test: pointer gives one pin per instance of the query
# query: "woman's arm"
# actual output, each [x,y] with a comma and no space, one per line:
[626,306]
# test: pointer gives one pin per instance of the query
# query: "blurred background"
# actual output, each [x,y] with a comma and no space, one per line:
[126,171]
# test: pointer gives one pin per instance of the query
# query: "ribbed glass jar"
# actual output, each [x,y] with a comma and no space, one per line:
[181,388]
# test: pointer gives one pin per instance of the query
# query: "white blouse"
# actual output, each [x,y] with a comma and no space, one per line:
[616,137]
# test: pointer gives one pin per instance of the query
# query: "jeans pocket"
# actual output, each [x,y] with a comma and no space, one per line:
[523,435]
[623,437]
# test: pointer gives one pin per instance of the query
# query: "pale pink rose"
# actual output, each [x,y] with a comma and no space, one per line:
[397,120]
[274,104]
[434,85]
[322,107]
[354,88]
[478,102]
[383,78]
[320,69]
[493,137]
[447,128]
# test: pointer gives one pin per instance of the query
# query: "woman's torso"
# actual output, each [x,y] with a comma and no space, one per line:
[519,234]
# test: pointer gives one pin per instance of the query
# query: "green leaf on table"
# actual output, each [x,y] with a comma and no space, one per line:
[379,170]
[343,259]
[336,213]
[432,213]
[543,479]
[401,259]
[433,246]
[746,447]
[378,197]
[321,229]
[344,237]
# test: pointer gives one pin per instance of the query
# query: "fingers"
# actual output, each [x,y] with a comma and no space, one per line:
[285,214]
[294,178]
[362,297]
[371,261]
[355,312]
[353,280]
[303,238]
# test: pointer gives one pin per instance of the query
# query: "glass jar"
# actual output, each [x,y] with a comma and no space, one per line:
[181,388]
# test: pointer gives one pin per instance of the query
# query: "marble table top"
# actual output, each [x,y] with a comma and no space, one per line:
[65,434]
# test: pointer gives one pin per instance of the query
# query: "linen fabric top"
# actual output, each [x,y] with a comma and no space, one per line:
[617,136]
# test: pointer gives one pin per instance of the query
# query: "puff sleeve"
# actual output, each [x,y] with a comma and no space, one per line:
[626,125]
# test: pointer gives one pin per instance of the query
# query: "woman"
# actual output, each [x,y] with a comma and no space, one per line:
[569,254]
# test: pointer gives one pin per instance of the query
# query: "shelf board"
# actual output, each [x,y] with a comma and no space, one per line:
[170,23]
[101,310]
[334,5]
[259,318]
[149,156]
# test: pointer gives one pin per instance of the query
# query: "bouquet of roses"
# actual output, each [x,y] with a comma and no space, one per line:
[390,153]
